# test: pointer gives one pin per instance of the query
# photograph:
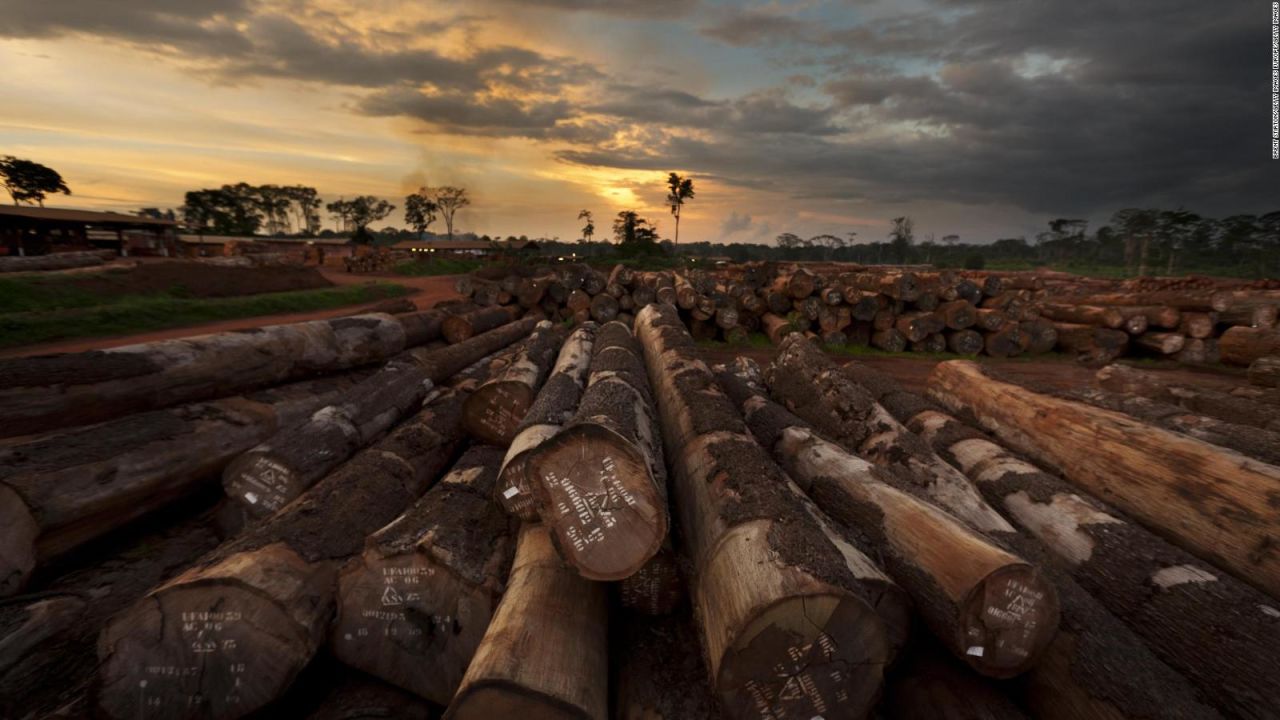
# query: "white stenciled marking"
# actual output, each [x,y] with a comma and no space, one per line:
[251,497]
[976,651]
[511,492]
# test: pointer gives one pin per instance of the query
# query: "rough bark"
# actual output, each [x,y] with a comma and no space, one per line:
[61,491]
[965,342]
[1223,511]
[252,614]
[414,606]
[497,408]
[990,608]
[1222,406]
[444,363]
[555,405]
[1265,371]
[273,473]
[600,482]
[545,653]
[1091,344]
[658,672]
[928,684]
[50,392]
[1242,345]
[784,624]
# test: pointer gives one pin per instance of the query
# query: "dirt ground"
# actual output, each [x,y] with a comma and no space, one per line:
[426,292]
[199,280]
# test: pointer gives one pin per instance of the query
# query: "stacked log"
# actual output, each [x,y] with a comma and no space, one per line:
[1219,405]
[1157,589]
[779,598]
[260,604]
[545,651]
[1265,371]
[1242,345]
[659,674]
[496,409]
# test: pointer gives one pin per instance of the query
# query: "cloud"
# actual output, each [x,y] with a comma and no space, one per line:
[735,223]
[467,114]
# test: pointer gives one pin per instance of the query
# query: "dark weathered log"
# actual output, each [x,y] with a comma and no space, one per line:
[889,340]
[546,652]
[902,286]
[422,327]
[556,404]
[965,342]
[50,392]
[603,308]
[446,362]
[1215,404]
[1091,344]
[1176,299]
[865,305]
[989,319]
[798,284]
[273,473]
[457,328]
[659,672]
[1182,607]
[919,325]
[1238,345]
[1259,444]
[991,609]
[1198,325]
[1251,313]
[253,613]
[1142,468]
[936,343]
[600,482]
[1160,316]
[1006,342]
[958,314]
[496,409]
[622,275]
[356,697]
[413,607]
[1265,371]
[928,684]
[778,595]
[1107,317]
[1041,335]
[47,643]
[1095,667]
[530,291]
[60,491]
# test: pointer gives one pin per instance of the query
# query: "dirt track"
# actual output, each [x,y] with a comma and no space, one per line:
[427,290]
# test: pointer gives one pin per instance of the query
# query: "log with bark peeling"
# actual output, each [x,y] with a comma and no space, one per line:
[555,405]
[414,606]
[545,653]
[50,392]
[990,608]
[63,490]
[496,409]
[1096,667]
[777,593]
[1222,511]
[600,482]
[273,473]
[253,613]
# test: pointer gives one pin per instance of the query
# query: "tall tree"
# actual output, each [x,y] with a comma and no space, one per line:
[679,189]
[228,210]
[1137,225]
[420,210]
[789,240]
[634,233]
[1176,228]
[901,237]
[306,205]
[28,181]
[589,229]
[359,212]
[450,199]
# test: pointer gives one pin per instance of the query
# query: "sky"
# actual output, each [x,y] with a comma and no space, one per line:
[982,118]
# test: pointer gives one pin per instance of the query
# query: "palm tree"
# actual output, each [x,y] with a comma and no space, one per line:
[681,189]
[590,228]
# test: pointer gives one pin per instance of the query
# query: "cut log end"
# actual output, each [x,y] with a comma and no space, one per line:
[1008,620]
[494,411]
[822,655]
[260,484]
[18,533]
[597,494]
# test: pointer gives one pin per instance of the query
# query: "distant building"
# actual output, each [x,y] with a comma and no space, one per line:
[216,245]
[474,248]
[28,230]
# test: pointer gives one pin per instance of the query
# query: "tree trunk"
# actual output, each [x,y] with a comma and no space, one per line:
[600,482]
[496,409]
[413,608]
[1143,468]
[1095,667]
[785,625]
[1219,405]
[993,611]
[253,613]
[1239,345]
[1182,607]
[810,385]
[458,328]
[1107,317]
[1164,343]
[61,491]
[269,476]
[555,405]
[1265,371]
[52,392]
[545,653]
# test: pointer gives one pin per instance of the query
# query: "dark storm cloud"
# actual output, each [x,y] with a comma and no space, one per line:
[465,114]
[636,8]
[200,24]
[761,112]
[756,27]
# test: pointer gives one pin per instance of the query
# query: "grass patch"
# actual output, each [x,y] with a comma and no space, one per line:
[442,266]
[133,314]
[34,294]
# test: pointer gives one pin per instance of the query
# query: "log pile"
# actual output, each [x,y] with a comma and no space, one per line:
[899,309]
[472,512]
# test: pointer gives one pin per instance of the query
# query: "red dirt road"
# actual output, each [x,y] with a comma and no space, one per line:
[427,291]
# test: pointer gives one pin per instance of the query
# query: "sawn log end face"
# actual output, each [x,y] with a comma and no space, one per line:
[260,484]
[1008,620]
[495,410]
[18,533]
